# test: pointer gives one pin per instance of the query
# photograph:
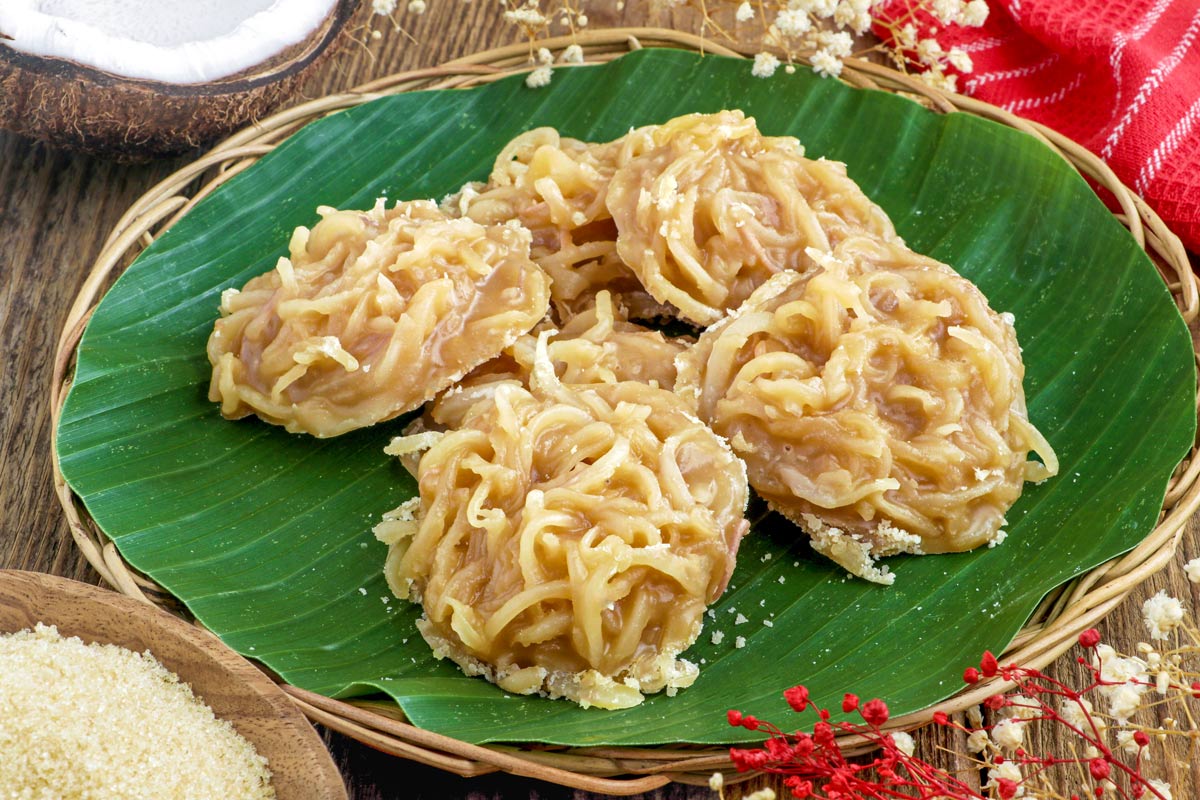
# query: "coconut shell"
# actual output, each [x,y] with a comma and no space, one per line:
[77,107]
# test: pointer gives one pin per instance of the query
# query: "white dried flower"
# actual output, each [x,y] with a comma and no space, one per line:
[539,77]
[1115,669]
[1124,700]
[1162,614]
[904,743]
[826,63]
[839,45]
[573,54]
[824,9]
[939,80]
[1125,741]
[745,12]
[765,65]
[1076,714]
[947,11]
[960,60]
[907,36]
[581,20]
[975,13]
[1008,770]
[716,782]
[929,51]
[527,15]
[416,7]
[762,794]
[1162,787]
[1009,733]
[792,22]
[544,56]
[1022,707]
[978,741]
[383,7]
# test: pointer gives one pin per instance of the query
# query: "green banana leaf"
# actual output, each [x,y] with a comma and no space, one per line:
[266,536]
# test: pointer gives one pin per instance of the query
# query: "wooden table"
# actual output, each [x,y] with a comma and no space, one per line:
[55,211]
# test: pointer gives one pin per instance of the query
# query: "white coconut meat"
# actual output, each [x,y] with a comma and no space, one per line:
[183,42]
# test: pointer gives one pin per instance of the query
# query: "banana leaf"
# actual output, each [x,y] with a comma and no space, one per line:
[266,536]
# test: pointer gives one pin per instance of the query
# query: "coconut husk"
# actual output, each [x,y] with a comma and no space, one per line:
[76,107]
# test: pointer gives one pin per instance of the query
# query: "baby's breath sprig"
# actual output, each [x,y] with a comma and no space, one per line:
[814,765]
[824,32]
[908,31]
[1129,705]
[534,21]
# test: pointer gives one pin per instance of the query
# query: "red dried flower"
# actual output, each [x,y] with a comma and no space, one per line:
[814,766]
[823,735]
[735,717]
[875,712]
[1089,638]
[797,697]
[800,787]
[746,760]
[778,749]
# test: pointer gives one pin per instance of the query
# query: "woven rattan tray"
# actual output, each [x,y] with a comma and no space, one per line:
[1051,630]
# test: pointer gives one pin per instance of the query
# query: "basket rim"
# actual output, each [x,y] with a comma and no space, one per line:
[1069,609]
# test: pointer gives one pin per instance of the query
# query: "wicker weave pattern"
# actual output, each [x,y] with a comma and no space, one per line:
[1052,629]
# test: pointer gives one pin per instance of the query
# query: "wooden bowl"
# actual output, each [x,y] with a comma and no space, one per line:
[83,108]
[233,687]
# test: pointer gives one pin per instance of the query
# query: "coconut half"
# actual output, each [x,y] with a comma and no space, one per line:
[147,77]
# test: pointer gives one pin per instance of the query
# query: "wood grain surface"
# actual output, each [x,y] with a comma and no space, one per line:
[56,210]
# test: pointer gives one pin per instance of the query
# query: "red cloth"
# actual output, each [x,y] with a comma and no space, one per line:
[1121,77]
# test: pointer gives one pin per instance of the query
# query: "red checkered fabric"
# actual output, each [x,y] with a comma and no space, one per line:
[1121,77]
